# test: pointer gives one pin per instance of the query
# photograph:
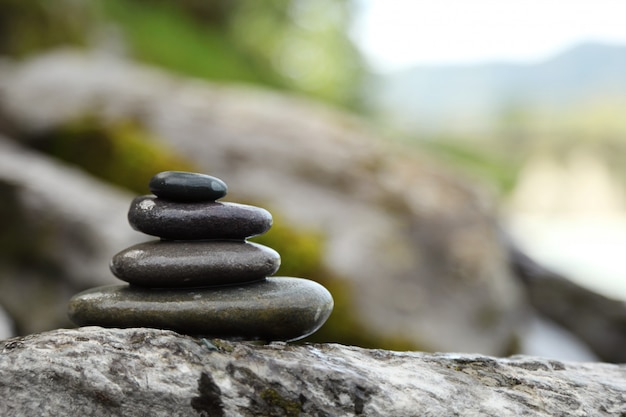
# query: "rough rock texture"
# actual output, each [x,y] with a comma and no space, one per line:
[419,244]
[138,372]
[59,230]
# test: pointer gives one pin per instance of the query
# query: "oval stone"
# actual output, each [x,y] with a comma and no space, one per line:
[273,309]
[187,186]
[188,221]
[163,263]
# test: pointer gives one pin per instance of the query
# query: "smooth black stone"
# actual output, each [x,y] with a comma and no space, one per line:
[187,186]
[273,309]
[188,221]
[165,263]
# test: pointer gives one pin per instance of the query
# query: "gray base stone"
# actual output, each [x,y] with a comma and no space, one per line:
[274,309]
[139,372]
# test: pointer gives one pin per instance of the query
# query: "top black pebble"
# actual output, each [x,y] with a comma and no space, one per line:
[187,186]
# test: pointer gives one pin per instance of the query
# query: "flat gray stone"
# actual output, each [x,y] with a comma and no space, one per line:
[166,263]
[274,309]
[187,186]
[203,220]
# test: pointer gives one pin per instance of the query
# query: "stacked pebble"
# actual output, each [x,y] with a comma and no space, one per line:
[203,277]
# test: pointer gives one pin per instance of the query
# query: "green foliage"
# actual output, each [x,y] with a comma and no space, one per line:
[122,153]
[297,45]
[306,42]
[164,34]
[291,44]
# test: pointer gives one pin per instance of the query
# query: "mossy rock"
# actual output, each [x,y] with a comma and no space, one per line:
[275,400]
[123,153]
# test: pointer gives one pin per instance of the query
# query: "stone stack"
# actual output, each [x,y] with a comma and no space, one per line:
[202,277]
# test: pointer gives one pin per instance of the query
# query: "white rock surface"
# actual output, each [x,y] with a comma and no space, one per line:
[138,372]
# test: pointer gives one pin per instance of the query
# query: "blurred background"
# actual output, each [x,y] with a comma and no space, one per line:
[438,166]
[528,95]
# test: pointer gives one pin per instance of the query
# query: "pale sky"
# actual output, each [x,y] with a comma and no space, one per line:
[395,34]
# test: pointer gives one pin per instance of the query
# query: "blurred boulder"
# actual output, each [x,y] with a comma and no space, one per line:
[419,244]
[598,321]
[58,231]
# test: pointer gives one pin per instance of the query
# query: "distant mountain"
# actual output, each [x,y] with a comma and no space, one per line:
[471,97]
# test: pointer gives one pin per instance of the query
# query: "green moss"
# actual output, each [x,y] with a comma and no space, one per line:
[301,250]
[223,345]
[123,153]
[291,408]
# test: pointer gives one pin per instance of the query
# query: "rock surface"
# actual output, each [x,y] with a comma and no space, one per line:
[138,372]
[419,245]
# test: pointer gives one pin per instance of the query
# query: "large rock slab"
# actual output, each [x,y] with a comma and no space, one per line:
[138,372]
[419,244]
